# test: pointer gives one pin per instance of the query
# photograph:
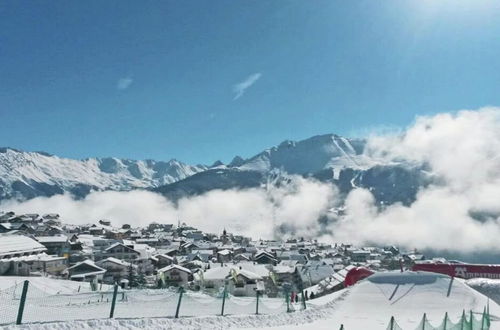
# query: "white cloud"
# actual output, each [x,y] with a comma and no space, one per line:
[240,88]
[254,212]
[124,83]
[462,150]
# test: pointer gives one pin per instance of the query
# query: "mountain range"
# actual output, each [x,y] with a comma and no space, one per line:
[327,158]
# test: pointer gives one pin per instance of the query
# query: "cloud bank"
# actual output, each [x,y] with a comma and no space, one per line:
[460,211]
[240,88]
[256,212]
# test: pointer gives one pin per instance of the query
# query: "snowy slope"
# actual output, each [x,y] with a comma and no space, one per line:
[367,305]
[406,296]
[31,174]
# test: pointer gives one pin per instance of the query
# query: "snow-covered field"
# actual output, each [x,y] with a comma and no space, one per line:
[367,305]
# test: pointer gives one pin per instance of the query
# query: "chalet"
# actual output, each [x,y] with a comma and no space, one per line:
[47,264]
[121,251]
[360,255]
[163,260]
[292,255]
[264,257]
[224,255]
[96,231]
[22,227]
[56,245]
[116,269]
[152,241]
[175,275]
[242,257]
[85,271]
[244,283]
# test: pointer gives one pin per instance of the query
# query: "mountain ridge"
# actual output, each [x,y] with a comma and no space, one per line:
[328,157]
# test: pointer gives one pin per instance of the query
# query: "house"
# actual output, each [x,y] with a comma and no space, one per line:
[264,257]
[333,283]
[175,275]
[116,270]
[252,276]
[292,255]
[244,283]
[360,255]
[47,264]
[18,245]
[121,251]
[57,245]
[152,241]
[96,231]
[22,227]
[85,271]
[242,257]
[163,260]
[5,227]
[224,255]
[287,274]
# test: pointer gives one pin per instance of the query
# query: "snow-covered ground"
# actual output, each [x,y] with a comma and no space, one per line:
[488,287]
[367,305]
[48,285]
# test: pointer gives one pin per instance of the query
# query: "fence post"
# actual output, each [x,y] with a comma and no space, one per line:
[463,320]
[287,298]
[341,327]
[471,320]
[424,319]
[22,302]
[257,303]
[113,301]
[303,300]
[449,286]
[445,322]
[392,323]
[483,318]
[181,291]
[223,299]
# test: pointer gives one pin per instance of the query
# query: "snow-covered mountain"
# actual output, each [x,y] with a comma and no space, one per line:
[31,174]
[328,158]
[310,155]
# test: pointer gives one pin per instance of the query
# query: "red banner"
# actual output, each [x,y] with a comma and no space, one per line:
[460,270]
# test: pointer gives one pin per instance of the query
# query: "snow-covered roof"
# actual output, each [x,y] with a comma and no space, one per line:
[116,261]
[35,257]
[88,262]
[217,272]
[52,239]
[120,244]
[18,244]
[171,267]
[249,275]
[224,252]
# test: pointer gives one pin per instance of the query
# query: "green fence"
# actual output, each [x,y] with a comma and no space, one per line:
[466,322]
[25,303]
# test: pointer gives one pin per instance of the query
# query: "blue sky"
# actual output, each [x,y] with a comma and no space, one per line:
[206,80]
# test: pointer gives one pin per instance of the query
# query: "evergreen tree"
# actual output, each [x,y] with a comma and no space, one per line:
[132,277]
[141,280]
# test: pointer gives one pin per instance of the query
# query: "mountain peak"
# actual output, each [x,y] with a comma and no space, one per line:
[237,161]
[217,163]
